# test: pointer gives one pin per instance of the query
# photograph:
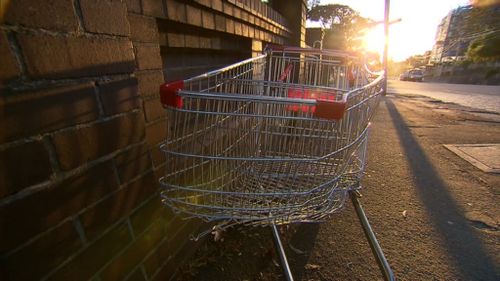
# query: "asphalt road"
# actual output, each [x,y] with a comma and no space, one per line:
[482,97]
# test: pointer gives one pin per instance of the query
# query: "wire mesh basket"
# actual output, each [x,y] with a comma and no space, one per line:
[274,139]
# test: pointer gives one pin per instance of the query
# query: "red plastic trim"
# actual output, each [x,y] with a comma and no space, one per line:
[332,110]
[168,94]
[285,73]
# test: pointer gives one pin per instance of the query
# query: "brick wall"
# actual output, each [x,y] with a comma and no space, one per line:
[81,123]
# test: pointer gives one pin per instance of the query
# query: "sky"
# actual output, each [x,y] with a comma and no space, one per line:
[415,33]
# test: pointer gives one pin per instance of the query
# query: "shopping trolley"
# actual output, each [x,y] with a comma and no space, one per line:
[276,139]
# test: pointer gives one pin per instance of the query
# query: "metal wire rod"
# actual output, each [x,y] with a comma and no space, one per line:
[281,253]
[372,239]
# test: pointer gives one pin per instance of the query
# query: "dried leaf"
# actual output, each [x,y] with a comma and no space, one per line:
[217,233]
[312,266]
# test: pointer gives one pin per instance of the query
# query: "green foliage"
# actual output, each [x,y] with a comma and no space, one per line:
[341,22]
[332,15]
[485,48]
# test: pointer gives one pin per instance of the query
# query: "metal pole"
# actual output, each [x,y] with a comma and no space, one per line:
[386,43]
[372,239]
[281,253]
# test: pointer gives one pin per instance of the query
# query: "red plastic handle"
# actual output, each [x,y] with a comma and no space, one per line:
[285,73]
[332,110]
[326,106]
[168,94]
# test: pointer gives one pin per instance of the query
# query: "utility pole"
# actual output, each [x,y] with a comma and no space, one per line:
[386,43]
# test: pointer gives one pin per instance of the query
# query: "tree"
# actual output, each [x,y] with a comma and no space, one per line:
[344,23]
[482,26]
[485,48]
[311,4]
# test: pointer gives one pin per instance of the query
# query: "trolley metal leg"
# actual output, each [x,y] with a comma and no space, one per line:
[281,253]
[372,240]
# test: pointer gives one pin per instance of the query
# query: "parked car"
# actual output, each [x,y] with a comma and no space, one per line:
[416,75]
[404,76]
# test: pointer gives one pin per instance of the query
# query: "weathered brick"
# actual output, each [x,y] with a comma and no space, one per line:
[130,154]
[118,205]
[119,96]
[244,28]
[238,30]
[157,156]
[134,6]
[208,19]
[51,14]
[132,163]
[44,254]
[206,3]
[105,16]
[176,40]
[237,13]
[137,275]
[192,41]
[205,42]
[257,21]
[23,165]
[149,82]
[162,39]
[76,56]
[153,8]
[94,257]
[130,170]
[176,11]
[220,23]
[10,68]
[179,236]
[153,110]
[230,26]
[33,112]
[256,45]
[251,19]
[148,213]
[22,219]
[137,251]
[216,43]
[251,32]
[227,8]
[217,5]
[156,133]
[143,29]
[76,147]
[148,56]
[244,16]
[193,15]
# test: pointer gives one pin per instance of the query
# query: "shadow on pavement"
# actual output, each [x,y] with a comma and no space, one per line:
[460,240]
[304,239]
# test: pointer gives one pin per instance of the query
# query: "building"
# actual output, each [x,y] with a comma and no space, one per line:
[459,28]
[452,36]
[82,121]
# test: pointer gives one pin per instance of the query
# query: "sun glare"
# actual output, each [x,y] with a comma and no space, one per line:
[373,41]
[403,40]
